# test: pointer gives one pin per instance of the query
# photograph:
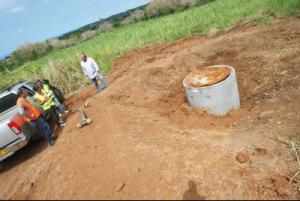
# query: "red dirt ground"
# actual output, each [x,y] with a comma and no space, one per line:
[146,142]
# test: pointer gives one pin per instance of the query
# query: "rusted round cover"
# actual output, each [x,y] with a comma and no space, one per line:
[206,76]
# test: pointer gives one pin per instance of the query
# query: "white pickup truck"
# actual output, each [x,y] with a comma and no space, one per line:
[15,133]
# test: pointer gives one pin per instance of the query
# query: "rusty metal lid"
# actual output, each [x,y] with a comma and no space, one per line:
[206,76]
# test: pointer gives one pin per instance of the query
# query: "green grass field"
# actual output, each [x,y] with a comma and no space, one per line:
[62,66]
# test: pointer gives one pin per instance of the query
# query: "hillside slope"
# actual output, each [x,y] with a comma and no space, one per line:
[147,143]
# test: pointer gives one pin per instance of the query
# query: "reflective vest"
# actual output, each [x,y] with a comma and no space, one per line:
[29,109]
[46,90]
[45,102]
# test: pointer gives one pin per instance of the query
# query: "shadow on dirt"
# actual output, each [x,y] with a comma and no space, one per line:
[192,193]
[33,148]
[23,155]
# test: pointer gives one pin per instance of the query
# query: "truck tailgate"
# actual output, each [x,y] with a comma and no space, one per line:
[7,136]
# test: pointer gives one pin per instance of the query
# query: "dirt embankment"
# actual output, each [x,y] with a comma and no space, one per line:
[146,142]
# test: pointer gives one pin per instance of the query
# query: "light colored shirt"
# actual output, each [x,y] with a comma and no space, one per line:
[90,68]
[23,113]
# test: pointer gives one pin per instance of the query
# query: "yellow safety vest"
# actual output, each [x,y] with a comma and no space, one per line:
[46,103]
[46,90]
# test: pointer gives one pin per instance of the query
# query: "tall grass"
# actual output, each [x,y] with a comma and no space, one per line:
[63,68]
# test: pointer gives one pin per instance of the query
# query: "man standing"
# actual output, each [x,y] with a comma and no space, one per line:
[91,70]
[33,115]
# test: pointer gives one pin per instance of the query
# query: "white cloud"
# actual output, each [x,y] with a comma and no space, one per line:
[16,9]
[22,30]
[4,4]
[10,7]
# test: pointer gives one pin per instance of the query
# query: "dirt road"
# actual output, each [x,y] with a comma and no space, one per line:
[147,143]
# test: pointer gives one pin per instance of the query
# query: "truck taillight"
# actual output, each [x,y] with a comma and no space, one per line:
[15,128]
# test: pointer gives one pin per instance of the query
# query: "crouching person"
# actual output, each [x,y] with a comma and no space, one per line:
[33,115]
[47,104]
[46,89]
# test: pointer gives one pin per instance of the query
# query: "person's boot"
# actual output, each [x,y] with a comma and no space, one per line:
[62,124]
[52,143]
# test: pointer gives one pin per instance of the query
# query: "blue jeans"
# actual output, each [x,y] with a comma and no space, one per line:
[44,128]
[60,106]
[102,79]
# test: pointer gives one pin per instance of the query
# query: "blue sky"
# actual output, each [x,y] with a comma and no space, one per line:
[24,21]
